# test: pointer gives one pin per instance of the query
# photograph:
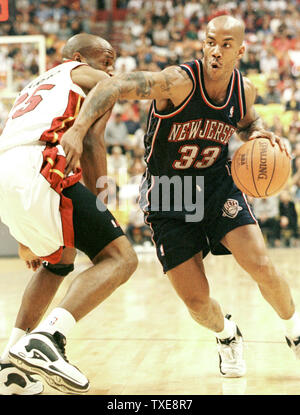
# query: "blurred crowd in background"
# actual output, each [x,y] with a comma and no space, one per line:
[150,35]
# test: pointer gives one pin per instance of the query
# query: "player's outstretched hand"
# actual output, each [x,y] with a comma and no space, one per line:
[273,139]
[72,145]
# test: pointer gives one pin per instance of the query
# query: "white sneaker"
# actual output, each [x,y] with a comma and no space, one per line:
[14,381]
[294,344]
[44,354]
[231,362]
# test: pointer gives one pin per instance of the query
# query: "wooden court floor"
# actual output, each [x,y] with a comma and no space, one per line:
[142,341]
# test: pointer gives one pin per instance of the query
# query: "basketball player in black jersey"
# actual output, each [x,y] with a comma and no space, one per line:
[196,108]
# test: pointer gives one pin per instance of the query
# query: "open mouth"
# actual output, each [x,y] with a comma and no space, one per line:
[215,65]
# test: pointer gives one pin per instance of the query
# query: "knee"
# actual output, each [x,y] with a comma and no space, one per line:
[128,262]
[123,256]
[196,303]
[259,267]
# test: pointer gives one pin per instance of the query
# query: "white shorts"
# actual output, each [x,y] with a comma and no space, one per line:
[28,205]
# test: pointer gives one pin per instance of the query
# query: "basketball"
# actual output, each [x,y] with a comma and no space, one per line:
[260,169]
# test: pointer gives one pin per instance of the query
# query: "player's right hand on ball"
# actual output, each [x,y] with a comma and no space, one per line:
[273,139]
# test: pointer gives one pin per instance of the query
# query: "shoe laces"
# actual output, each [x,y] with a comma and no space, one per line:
[60,341]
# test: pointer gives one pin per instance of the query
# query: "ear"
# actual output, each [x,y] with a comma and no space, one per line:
[241,52]
[77,57]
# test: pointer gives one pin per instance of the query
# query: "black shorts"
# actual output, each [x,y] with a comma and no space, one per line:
[177,240]
[93,228]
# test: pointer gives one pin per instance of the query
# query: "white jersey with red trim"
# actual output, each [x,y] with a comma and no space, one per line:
[44,109]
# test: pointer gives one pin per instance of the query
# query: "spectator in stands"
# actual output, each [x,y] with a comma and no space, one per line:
[64,32]
[116,133]
[135,27]
[160,35]
[259,99]
[295,182]
[137,167]
[76,26]
[266,211]
[295,122]
[277,126]
[138,141]
[192,8]
[251,65]
[293,103]
[268,61]
[117,162]
[294,136]
[51,26]
[131,116]
[272,96]
[125,62]
[137,231]
[288,218]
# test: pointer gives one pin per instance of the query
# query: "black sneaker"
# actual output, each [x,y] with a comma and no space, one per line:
[44,354]
[14,381]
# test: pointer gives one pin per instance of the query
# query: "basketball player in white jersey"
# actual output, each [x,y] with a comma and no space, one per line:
[51,215]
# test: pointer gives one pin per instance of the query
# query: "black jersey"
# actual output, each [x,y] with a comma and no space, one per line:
[192,139]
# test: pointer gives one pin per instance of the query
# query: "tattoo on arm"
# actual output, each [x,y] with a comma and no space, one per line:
[97,104]
[99,101]
[169,82]
[136,82]
[143,85]
[135,85]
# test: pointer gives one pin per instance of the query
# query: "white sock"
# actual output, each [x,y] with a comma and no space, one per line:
[58,320]
[292,326]
[16,335]
[228,331]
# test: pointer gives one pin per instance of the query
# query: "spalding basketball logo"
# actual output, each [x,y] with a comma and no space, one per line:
[262,173]
[231,208]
